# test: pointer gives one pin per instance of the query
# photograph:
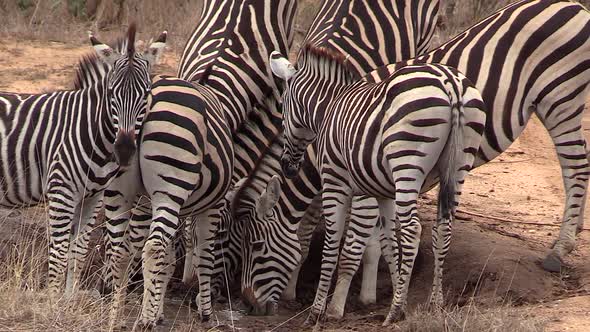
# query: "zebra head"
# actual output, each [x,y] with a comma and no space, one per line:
[128,85]
[298,134]
[264,274]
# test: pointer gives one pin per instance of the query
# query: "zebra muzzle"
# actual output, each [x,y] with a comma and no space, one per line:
[124,147]
[290,169]
[255,308]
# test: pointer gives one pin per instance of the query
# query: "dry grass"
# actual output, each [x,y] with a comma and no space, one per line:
[24,302]
[471,318]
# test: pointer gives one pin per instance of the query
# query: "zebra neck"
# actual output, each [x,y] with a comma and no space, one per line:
[319,103]
[97,128]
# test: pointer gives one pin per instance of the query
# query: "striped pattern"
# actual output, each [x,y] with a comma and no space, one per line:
[331,29]
[228,51]
[540,48]
[531,57]
[66,146]
[375,33]
[186,151]
[386,140]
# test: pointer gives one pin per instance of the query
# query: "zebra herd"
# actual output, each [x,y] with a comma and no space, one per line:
[250,149]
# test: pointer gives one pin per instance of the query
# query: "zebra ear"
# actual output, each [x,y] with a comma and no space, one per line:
[269,197]
[231,193]
[281,67]
[105,53]
[153,53]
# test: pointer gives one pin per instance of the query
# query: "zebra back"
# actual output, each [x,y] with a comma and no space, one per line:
[234,38]
[375,32]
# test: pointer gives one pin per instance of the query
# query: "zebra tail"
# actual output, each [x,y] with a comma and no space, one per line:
[450,162]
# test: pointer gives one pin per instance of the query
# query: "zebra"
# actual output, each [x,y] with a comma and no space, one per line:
[374,33]
[539,48]
[387,140]
[228,51]
[359,27]
[413,31]
[196,163]
[64,147]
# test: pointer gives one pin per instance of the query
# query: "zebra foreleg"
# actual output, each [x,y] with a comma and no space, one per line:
[81,237]
[62,211]
[307,226]
[371,257]
[336,205]
[190,243]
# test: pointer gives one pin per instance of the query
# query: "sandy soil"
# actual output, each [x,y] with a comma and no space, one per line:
[491,260]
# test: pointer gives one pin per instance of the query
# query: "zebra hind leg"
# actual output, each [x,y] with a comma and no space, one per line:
[571,150]
[206,234]
[410,231]
[156,257]
[364,216]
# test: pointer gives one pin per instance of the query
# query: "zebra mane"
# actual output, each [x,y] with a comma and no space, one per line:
[247,190]
[91,70]
[317,53]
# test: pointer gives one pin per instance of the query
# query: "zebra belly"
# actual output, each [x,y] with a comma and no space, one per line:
[20,185]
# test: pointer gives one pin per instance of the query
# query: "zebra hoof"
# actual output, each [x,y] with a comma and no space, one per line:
[552,263]
[145,324]
[436,302]
[334,313]
[205,318]
[395,315]
[311,320]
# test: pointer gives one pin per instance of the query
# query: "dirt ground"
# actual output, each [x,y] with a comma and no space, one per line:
[496,247]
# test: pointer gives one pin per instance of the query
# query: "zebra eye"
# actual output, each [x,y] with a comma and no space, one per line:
[258,245]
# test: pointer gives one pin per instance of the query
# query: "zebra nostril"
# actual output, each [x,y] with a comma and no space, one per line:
[125,148]
[249,297]
[289,169]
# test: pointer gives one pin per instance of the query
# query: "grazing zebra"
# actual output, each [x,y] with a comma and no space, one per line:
[64,147]
[228,51]
[387,140]
[331,28]
[529,57]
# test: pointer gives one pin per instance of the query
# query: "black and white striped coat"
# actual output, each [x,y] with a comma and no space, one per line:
[228,51]
[65,147]
[388,140]
[529,57]
[408,30]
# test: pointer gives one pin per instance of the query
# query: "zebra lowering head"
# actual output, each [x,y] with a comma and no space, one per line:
[299,127]
[128,85]
[257,214]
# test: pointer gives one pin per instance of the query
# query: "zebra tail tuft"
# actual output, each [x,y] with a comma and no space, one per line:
[450,162]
